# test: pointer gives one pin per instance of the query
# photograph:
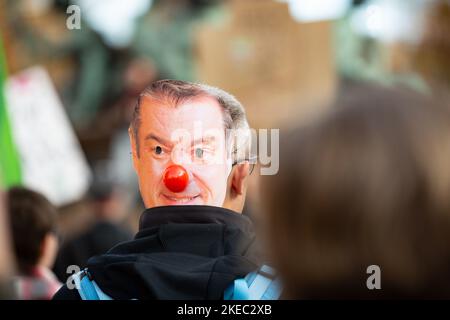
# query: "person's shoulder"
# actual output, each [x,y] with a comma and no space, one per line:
[64,293]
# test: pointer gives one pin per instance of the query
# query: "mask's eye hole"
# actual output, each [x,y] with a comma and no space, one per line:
[199,152]
[158,150]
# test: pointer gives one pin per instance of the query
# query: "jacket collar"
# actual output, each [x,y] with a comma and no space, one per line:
[154,217]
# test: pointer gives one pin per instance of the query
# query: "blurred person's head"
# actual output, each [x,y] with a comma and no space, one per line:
[182,123]
[139,73]
[368,184]
[106,202]
[33,224]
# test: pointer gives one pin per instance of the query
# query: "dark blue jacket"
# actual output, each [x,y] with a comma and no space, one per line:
[180,252]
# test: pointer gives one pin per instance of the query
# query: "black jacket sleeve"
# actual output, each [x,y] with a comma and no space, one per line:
[66,294]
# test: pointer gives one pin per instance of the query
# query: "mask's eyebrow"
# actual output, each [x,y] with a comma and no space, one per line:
[204,140]
[152,136]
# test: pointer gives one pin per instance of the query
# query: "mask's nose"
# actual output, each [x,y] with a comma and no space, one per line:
[176,178]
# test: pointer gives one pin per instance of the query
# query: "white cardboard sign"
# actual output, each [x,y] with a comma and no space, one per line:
[51,159]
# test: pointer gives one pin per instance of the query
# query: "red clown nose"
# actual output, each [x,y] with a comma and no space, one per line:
[176,178]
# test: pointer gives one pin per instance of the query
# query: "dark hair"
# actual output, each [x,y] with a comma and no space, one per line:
[32,217]
[368,184]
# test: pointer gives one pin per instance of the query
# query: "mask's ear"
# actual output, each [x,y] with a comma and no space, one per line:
[133,149]
[237,187]
[239,175]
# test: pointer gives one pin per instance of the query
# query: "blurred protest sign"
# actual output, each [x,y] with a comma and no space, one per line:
[50,156]
[278,68]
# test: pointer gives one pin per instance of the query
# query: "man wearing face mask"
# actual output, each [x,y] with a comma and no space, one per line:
[193,241]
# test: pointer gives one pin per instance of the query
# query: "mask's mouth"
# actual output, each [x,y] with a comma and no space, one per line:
[180,199]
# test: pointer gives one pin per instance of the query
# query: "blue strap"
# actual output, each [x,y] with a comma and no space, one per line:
[240,291]
[260,285]
[87,288]
[273,292]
